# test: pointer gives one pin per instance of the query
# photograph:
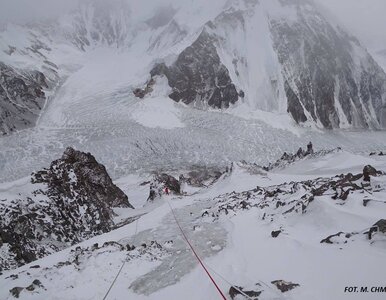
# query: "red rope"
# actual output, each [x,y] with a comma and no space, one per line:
[196,255]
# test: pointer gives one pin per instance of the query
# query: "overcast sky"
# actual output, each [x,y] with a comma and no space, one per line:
[365,18]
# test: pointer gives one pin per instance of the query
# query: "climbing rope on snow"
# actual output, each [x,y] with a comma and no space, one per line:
[115,279]
[195,253]
[243,293]
[123,264]
[214,271]
[235,287]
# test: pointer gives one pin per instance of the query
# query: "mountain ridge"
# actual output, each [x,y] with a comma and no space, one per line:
[276,56]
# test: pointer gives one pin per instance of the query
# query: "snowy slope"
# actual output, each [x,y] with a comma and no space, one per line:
[237,245]
[259,63]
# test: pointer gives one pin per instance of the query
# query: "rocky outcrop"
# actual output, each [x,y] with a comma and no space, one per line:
[79,177]
[289,158]
[291,198]
[70,201]
[202,176]
[342,238]
[160,183]
[21,98]
[198,76]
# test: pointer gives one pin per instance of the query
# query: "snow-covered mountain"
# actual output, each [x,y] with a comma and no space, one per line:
[272,56]
[128,131]
[278,56]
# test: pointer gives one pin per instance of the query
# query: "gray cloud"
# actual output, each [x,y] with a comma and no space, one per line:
[364,18]
[30,10]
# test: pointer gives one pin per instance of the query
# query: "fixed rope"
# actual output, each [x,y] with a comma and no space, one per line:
[123,264]
[214,271]
[195,253]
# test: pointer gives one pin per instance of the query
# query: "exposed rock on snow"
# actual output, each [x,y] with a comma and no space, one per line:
[160,182]
[203,176]
[79,257]
[339,238]
[71,201]
[21,98]
[381,153]
[141,93]
[369,171]
[378,228]
[35,285]
[275,233]
[235,291]
[284,286]
[198,77]
[289,198]
[289,158]
[109,256]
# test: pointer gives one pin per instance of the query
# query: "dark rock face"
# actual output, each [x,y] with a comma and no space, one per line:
[198,77]
[160,182]
[328,76]
[21,98]
[78,176]
[72,201]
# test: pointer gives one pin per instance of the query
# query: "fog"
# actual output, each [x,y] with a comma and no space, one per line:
[364,18]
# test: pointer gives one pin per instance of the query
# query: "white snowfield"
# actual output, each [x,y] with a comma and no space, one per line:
[236,246]
[93,108]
